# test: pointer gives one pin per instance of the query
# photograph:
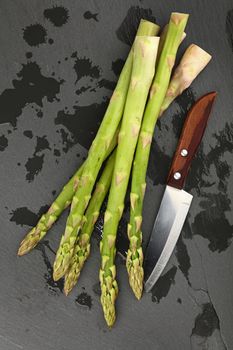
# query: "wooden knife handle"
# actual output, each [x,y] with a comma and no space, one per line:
[190,139]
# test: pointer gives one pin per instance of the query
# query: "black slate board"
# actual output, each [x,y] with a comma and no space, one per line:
[59,62]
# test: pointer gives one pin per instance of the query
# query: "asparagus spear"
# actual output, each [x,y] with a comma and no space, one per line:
[192,63]
[158,90]
[94,162]
[82,246]
[62,201]
[163,37]
[48,219]
[64,198]
[145,51]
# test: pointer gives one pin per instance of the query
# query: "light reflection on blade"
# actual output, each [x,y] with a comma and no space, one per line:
[167,227]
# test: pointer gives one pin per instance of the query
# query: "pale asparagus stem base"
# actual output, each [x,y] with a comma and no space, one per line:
[94,162]
[145,50]
[194,60]
[82,246]
[172,40]
[62,201]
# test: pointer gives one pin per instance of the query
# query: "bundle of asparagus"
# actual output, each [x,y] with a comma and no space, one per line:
[123,140]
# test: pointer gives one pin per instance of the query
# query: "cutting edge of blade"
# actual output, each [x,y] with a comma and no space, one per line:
[171,242]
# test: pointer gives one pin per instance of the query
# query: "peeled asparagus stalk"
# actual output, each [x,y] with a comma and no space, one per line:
[134,261]
[145,51]
[194,60]
[94,162]
[82,246]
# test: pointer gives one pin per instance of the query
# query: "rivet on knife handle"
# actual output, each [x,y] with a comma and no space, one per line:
[190,139]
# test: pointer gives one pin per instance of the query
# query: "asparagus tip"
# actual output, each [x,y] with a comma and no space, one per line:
[109,310]
[136,281]
[62,260]
[24,248]
[21,251]
[136,273]
[71,279]
[58,273]
[66,290]
[109,291]
[68,286]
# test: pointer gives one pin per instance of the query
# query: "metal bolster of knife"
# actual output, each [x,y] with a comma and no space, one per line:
[189,141]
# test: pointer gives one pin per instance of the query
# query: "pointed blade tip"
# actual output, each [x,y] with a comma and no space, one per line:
[210,97]
[165,233]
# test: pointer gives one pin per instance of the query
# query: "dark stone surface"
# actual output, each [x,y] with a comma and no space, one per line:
[59,64]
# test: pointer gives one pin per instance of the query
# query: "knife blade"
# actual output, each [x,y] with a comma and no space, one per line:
[176,202]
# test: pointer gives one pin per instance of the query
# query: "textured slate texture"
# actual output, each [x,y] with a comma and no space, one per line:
[59,62]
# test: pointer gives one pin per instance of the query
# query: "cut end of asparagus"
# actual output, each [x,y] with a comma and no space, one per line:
[200,56]
[194,60]
[147,28]
[177,17]
[135,272]
[146,48]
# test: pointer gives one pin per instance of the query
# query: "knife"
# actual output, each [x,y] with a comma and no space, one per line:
[176,202]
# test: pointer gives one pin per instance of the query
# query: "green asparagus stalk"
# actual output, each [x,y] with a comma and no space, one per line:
[192,63]
[94,162]
[145,51]
[50,217]
[163,37]
[65,197]
[62,201]
[158,90]
[82,246]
